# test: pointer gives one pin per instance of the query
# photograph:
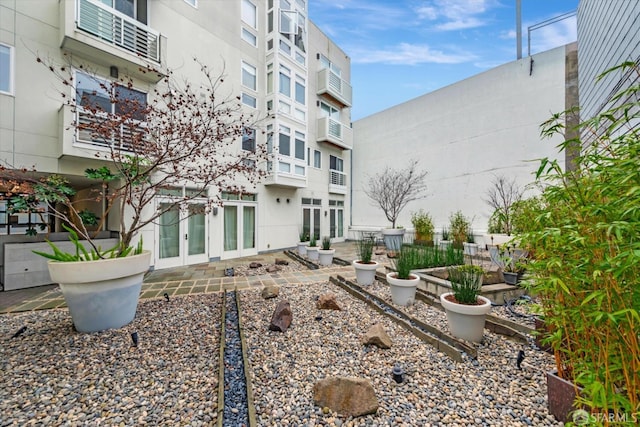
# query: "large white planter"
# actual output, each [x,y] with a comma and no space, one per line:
[312,253]
[444,244]
[393,238]
[466,321]
[101,294]
[498,240]
[325,256]
[302,248]
[365,273]
[403,291]
[470,248]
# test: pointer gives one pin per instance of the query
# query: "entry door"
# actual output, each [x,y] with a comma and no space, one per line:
[336,223]
[311,221]
[182,236]
[239,234]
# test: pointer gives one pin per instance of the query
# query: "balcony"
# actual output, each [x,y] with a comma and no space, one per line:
[330,84]
[334,132]
[110,38]
[79,142]
[337,182]
[285,171]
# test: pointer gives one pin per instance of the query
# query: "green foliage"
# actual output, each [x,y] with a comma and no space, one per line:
[459,226]
[496,224]
[422,223]
[88,218]
[586,265]
[429,257]
[81,254]
[521,213]
[304,235]
[445,233]
[402,263]
[470,238]
[466,282]
[364,247]
[312,241]
[326,243]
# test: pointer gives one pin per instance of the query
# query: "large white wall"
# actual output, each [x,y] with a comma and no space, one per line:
[464,135]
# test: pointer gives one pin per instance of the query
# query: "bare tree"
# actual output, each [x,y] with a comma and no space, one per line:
[184,135]
[502,196]
[393,189]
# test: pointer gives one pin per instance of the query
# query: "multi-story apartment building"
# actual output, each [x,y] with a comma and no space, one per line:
[275,59]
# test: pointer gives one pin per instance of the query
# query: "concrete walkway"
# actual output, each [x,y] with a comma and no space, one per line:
[193,279]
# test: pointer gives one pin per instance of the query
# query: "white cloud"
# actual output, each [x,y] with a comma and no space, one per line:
[508,35]
[455,14]
[409,54]
[554,35]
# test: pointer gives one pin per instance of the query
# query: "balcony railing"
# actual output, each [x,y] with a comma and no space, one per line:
[337,182]
[334,132]
[118,29]
[329,83]
[121,139]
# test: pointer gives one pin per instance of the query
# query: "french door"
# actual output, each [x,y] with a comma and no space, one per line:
[311,217]
[239,229]
[336,219]
[182,236]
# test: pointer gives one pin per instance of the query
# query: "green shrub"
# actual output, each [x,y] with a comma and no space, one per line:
[326,243]
[466,282]
[458,226]
[364,247]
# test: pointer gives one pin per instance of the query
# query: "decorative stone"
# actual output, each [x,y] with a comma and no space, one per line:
[273,269]
[376,335]
[280,261]
[327,302]
[255,265]
[282,317]
[270,291]
[348,396]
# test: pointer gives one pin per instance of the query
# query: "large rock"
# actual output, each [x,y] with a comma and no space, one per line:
[270,291]
[327,302]
[348,396]
[376,335]
[255,265]
[280,261]
[273,269]
[282,317]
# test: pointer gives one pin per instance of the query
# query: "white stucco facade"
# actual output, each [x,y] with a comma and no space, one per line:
[464,135]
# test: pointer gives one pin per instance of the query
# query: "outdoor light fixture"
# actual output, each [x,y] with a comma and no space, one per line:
[397,373]
[288,200]
[278,200]
[113,71]
[166,295]
[214,211]
[134,338]
[19,332]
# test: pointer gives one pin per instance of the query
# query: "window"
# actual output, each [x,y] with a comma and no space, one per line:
[6,69]
[299,141]
[284,141]
[335,163]
[300,90]
[193,3]
[285,81]
[269,78]
[249,81]
[327,110]
[317,159]
[249,139]
[325,63]
[248,14]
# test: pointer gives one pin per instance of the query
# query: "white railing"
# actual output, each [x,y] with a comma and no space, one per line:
[329,82]
[122,137]
[337,178]
[118,29]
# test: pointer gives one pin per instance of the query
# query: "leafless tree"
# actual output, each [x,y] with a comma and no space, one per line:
[501,196]
[184,134]
[393,189]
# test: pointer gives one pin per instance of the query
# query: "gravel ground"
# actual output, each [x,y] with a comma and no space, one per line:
[52,375]
[489,391]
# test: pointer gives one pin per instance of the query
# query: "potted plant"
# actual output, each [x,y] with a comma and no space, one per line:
[511,262]
[586,259]
[325,255]
[364,266]
[470,245]
[465,308]
[444,242]
[458,228]
[402,283]
[423,226]
[391,190]
[304,241]
[312,249]
[150,155]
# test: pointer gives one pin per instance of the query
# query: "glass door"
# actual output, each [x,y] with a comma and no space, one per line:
[181,236]
[336,220]
[311,217]
[239,230]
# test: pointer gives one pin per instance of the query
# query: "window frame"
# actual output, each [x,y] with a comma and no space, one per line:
[10,78]
[251,71]
[248,135]
[338,159]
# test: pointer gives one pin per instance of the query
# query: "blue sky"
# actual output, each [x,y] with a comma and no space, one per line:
[401,49]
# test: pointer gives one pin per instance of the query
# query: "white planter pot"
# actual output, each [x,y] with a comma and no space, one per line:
[302,248]
[365,273]
[403,291]
[393,238]
[312,253]
[498,239]
[470,248]
[101,294]
[325,256]
[466,321]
